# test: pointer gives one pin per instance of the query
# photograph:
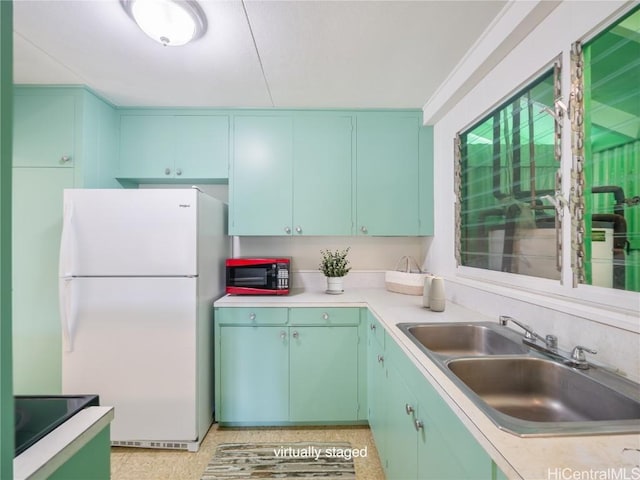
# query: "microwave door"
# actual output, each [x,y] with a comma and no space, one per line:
[251,277]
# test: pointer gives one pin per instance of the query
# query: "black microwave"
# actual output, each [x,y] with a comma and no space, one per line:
[258,276]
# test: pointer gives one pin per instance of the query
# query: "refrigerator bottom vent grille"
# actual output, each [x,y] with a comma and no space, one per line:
[150,444]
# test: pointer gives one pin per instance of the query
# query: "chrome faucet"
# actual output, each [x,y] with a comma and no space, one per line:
[551,341]
[575,359]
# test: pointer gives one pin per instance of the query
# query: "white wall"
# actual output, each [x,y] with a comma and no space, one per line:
[580,313]
[367,253]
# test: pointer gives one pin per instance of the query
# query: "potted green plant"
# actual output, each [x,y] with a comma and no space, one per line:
[335,266]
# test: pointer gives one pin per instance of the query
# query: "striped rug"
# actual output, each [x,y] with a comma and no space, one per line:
[282,460]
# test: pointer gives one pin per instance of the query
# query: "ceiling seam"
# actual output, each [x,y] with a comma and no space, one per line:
[54,59]
[255,46]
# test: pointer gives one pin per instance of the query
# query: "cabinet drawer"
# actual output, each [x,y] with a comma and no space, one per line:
[325,316]
[251,316]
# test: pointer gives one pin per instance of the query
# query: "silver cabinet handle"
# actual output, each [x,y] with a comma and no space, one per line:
[372,326]
[295,334]
[252,316]
[65,158]
[179,171]
[287,230]
[283,334]
[363,229]
[380,359]
[418,424]
[409,409]
[298,229]
[325,316]
[167,171]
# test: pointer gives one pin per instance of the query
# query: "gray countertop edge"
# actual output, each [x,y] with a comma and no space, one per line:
[44,457]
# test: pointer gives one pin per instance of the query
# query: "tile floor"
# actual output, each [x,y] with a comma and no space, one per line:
[148,464]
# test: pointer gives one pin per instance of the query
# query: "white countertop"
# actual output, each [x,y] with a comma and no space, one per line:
[584,457]
[50,452]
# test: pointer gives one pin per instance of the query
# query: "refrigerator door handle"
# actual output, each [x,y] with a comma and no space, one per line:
[65,265]
[64,292]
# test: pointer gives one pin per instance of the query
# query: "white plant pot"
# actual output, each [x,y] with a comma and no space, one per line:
[335,285]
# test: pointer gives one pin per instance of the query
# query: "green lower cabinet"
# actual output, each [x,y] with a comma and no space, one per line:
[417,434]
[254,378]
[446,449]
[92,461]
[376,386]
[323,366]
[278,366]
[402,441]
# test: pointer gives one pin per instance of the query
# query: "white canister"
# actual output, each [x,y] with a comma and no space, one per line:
[437,299]
[425,290]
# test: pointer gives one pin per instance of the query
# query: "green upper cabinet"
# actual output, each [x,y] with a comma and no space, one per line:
[337,173]
[260,190]
[50,118]
[322,145]
[387,166]
[173,148]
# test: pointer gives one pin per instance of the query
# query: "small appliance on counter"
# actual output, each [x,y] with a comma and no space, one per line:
[258,276]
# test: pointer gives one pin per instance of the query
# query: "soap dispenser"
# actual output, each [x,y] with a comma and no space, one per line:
[437,299]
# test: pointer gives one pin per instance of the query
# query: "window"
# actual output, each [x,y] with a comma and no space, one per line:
[606,156]
[506,182]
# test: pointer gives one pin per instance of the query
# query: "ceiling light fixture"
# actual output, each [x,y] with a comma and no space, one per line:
[169,22]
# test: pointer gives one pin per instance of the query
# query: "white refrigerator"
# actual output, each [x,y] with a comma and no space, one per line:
[139,271]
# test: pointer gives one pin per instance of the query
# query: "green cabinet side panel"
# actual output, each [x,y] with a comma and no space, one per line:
[7,424]
[52,120]
[387,174]
[497,474]
[91,462]
[426,181]
[261,176]
[100,136]
[254,375]
[37,226]
[322,175]
[324,372]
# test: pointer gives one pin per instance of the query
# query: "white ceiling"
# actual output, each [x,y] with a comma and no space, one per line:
[322,54]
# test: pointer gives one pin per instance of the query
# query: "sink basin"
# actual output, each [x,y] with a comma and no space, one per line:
[463,339]
[535,396]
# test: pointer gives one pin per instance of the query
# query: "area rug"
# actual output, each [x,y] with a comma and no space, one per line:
[283,460]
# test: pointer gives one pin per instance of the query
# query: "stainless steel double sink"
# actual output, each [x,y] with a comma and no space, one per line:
[523,391]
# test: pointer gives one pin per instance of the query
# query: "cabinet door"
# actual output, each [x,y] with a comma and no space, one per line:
[254,375]
[261,176]
[203,147]
[44,130]
[402,443]
[147,146]
[377,395]
[324,374]
[36,230]
[387,174]
[322,175]
[447,451]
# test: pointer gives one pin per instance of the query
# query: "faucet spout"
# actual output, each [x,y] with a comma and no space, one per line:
[529,334]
